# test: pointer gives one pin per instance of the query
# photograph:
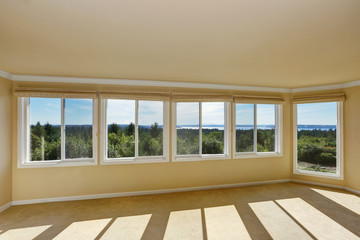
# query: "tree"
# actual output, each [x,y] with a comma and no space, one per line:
[130,130]
[154,130]
[38,130]
[114,128]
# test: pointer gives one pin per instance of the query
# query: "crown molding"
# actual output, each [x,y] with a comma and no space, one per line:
[129,82]
[352,84]
[319,88]
[5,75]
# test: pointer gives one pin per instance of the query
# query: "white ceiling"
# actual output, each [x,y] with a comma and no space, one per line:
[277,43]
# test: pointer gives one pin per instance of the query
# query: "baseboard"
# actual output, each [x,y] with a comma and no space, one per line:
[174,190]
[317,184]
[138,193]
[6,206]
[352,190]
[327,185]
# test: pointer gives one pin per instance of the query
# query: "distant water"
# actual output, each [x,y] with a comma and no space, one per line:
[247,127]
[319,127]
[244,127]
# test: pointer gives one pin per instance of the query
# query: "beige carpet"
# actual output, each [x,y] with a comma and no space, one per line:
[277,211]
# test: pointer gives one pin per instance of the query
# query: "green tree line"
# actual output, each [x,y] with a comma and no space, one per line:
[245,140]
[314,146]
[121,140]
[45,142]
[317,147]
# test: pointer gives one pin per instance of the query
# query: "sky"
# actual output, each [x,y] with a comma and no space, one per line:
[79,111]
[212,113]
[123,112]
[245,114]
[317,114]
[48,110]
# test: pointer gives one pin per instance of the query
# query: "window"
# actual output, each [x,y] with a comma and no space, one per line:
[257,130]
[135,131]
[317,139]
[201,130]
[56,131]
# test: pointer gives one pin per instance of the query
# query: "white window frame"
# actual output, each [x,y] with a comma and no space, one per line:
[201,157]
[23,139]
[278,135]
[339,147]
[104,160]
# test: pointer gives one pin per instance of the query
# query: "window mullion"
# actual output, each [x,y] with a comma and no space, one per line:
[200,128]
[62,129]
[136,129]
[276,109]
[255,128]
[27,128]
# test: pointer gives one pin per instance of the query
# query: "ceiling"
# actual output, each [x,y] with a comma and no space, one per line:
[277,43]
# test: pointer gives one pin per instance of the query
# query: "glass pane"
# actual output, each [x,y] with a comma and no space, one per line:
[317,137]
[150,128]
[245,127]
[213,123]
[121,128]
[78,128]
[188,128]
[45,129]
[265,127]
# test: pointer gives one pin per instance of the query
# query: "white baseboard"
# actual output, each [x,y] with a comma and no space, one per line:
[127,194]
[327,185]
[174,190]
[317,184]
[352,190]
[6,206]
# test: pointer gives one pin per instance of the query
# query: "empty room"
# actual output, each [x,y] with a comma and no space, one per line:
[168,119]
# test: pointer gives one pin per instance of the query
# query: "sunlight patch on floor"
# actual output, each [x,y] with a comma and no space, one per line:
[23,233]
[224,223]
[127,228]
[84,230]
[184,225]
[320,225]
[346,200]
[278,224]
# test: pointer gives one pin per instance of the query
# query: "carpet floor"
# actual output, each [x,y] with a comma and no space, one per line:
[276,211]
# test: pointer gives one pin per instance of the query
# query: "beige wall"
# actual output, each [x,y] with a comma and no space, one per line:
[352,137]
[73,181]
[5,142]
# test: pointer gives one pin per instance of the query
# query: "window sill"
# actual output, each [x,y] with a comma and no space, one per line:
[318,174]
[189,158]
[257,155]
[115,161]
[59,163]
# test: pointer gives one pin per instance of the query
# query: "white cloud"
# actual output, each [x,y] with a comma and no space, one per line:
[121,111]
[213,113]
[187,113]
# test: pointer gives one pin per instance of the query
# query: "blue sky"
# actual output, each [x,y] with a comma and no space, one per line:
[123,112]
[77,111]
[212,113]
[317,114]
[245,114]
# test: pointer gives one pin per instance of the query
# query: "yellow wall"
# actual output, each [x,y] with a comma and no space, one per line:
[33,183]
[5,142]
[73,181]
[352,137]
